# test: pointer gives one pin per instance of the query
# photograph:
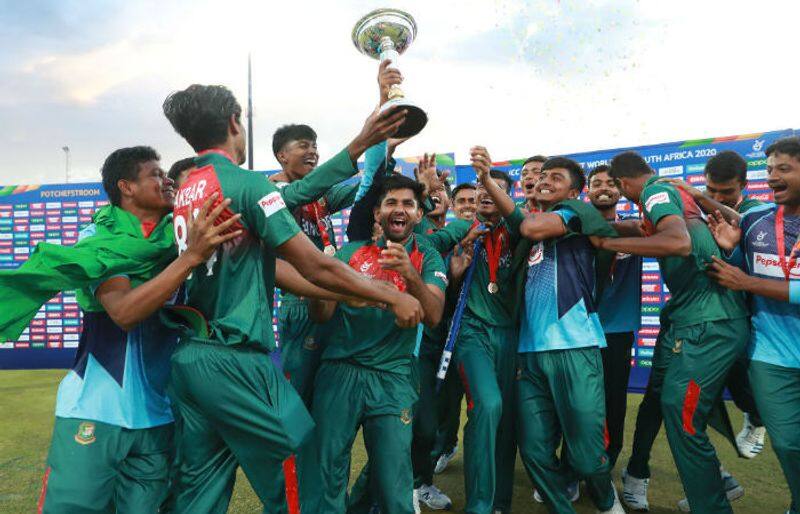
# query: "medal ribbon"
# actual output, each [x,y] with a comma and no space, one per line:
[493,243]
[780,239]
[312,211]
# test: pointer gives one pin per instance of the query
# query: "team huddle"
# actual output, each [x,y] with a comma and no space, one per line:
[527,312]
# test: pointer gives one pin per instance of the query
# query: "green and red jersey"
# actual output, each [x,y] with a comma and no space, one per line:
[234,289]
[695,298]
[369,336]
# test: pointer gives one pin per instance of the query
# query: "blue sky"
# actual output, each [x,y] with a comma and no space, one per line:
[521,77]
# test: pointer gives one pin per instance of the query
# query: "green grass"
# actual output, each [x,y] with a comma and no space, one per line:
[26,421]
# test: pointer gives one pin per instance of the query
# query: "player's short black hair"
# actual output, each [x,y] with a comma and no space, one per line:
[535,158]
[179,167]
[291,132]
[395,182]
[602,168]
[574,169]
[502,175]
[200,114]
[629,164]
[787,145]
[725,166]
[461,187]
[123,164]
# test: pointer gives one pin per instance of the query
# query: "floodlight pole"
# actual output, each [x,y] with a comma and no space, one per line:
[66,156]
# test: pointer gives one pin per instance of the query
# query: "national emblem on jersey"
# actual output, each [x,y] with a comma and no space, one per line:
[536,254]
[85,433]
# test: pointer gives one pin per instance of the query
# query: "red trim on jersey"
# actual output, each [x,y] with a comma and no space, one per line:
[465,383]
[290,477]
[199,186]
[690,401]
[606,436]
[148,227]
[43,493]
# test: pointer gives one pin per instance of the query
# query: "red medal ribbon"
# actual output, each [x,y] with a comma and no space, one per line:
[493,242]
[312,211]
[218,152]
[780,240]
[365,262]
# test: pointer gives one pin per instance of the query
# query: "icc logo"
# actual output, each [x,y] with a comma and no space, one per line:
[761,235]
[758,145]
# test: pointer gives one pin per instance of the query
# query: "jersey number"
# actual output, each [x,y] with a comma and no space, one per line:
[182,237]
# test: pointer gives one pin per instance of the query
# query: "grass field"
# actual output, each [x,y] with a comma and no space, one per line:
[26,419]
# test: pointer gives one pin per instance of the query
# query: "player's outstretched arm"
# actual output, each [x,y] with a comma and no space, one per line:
[671,238]
[706,203]
[734,278]
[334,275]
[541,226]
[289,279]
[130,306]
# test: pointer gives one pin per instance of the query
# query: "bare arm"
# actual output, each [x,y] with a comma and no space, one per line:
[671,238]
[336,276]
[628,228]
[541,226]
[708,204]
[734,278]
[289,279]
[129,306]
[482,163]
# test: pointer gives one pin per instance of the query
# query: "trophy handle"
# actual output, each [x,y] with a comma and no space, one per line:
[388,51]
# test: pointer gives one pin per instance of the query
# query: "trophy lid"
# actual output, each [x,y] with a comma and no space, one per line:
[397,25]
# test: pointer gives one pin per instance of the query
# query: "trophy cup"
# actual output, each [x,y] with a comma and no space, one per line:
[385,34]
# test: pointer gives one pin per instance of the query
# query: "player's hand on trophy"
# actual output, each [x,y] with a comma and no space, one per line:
[407,310]
[393,142]
[205,231]
[727,235]
[388,77]
[481,162]
[378,127]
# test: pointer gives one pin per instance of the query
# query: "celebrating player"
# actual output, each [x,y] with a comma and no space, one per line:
[234,405]
[767,247]
[368,360]
[704,331]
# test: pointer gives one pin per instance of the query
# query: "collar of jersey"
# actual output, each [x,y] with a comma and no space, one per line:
[381,242]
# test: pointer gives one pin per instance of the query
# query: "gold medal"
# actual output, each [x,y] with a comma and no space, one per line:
[493,289]
[330,250]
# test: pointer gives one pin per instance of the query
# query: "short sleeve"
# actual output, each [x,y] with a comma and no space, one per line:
[514,220]
[433,269]
[264,212]
[658,202]
[571,220]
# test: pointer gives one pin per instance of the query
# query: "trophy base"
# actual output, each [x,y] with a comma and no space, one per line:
[416,119]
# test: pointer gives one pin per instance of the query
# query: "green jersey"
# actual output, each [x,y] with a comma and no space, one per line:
[234,289]
[695,298]
[445,238]
[747,203]
[315,197]
[496,265]
[369,336]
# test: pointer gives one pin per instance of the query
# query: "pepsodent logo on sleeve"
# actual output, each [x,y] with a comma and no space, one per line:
[656,199]
[271,203]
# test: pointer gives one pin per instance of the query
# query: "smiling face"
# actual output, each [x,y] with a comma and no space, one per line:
[464,204]
[554,186]
[783,177]
[728,193]
[440,203]
[152,190]
[528,177]
[397,214]
[603,192]
[486,206]
[298,158]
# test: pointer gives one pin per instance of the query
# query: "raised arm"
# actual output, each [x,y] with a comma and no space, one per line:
[482,163]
